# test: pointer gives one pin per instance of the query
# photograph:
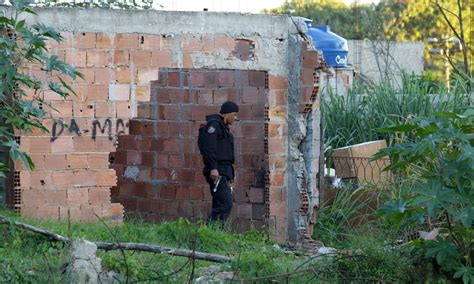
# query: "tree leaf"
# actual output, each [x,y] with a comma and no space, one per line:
[398,128]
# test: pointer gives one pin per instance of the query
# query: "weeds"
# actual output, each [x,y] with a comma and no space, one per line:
[355,118]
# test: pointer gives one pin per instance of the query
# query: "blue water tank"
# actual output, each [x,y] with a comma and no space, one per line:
[333,46]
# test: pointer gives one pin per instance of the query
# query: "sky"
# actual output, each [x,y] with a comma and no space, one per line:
[251,6]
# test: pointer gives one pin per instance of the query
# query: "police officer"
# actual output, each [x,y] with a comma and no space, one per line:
[218,156]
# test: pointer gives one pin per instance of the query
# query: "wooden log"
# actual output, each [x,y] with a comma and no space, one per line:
[126,246]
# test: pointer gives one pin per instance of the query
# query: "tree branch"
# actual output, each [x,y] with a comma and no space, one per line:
[441,9]
[125,246]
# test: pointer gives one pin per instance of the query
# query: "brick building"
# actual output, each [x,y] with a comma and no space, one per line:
[127,142]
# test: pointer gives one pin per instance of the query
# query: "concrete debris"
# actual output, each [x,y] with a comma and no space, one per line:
[84,266]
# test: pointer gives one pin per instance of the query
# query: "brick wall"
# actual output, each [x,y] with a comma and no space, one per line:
[148,86]
[158,164]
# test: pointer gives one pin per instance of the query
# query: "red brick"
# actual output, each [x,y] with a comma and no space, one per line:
[307,76]
[142,93]
[98,160]
[83,144]
[103,144]
[278,209]
[121,57]
[106,178]
[97,92]
[127,41]
[104,75]
[76,161]
[226,78]
[182,193]
[140,58]
[55,162]
[258,211]
[70,212]
[149,42]
[56,197]
[188,59]
[122,109]
[77,196]
[277,98]
[275,146]
[61,179]
[163,160]
[99,195]
[219,96]
[173,79]
[249,95]
[83,109]
[206,97]
[256,195]
[124,75]
[277,82]
[40,145]
[244,210]
[175,160]
[211,78]
[134,157]
[168,112]
[197,78]
[63,144]
[119,92]
[98,57]
[167,192]
[161,58]
[84,40]
[149,158]
[76,58]
[46,212]
[196,193]
[199,113]
[179,96]
[41,179]
[146,75]
[105,40]
[256,78]
[33,197]
[61,109]
[84,178]
[104,109]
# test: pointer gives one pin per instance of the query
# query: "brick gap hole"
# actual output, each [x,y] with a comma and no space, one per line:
[42,182]
[90,106]
[142,39]
[84,34]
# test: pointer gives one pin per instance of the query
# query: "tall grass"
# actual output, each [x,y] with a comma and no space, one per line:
[355,118]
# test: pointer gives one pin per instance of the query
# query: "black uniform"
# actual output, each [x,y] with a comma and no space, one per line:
[218,153]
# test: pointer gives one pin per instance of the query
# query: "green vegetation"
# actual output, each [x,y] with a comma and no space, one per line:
[440,155]
[20,94]
[355,118]
[27,257]
[436,23]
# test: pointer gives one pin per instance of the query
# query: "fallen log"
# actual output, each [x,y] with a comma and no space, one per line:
[125,246]
[166,250]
